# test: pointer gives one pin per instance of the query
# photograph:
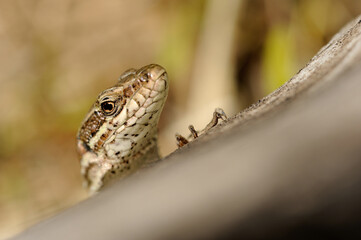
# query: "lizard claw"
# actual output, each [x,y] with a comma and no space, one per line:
[193,131]
[181,141]
[220,114]
[217,114]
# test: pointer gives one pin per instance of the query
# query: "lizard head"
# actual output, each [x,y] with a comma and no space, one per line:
[121,126]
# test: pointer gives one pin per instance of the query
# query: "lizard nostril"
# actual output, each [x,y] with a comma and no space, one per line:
[144,77]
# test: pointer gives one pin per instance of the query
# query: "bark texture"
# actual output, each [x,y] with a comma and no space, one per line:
[288,166]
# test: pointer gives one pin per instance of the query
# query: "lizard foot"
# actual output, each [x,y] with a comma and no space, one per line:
[217,115]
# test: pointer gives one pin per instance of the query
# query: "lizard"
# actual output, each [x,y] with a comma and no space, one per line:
[119,133]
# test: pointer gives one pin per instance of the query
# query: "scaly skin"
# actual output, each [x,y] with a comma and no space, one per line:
[119,134]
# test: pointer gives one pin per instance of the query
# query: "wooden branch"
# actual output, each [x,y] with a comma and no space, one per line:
[288,166]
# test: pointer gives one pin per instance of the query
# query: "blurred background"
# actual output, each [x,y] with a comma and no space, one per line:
[56,56]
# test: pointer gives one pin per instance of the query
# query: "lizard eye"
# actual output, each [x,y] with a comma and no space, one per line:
[108,107]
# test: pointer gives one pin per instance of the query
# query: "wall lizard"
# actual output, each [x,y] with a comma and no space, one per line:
[119,133]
